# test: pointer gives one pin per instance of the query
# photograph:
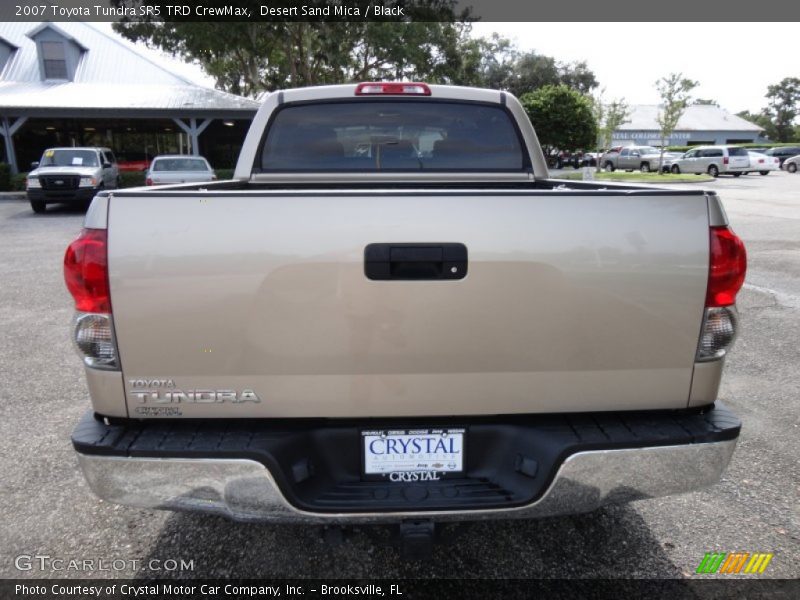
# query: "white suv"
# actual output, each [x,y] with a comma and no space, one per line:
[714,160]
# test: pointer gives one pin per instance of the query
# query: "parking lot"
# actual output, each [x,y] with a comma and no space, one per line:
[48,509]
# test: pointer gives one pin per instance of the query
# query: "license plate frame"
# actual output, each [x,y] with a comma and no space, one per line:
[443,467]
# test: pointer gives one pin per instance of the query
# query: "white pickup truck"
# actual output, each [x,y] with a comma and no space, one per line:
[393,314]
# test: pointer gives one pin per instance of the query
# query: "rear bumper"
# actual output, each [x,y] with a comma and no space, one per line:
[275,472]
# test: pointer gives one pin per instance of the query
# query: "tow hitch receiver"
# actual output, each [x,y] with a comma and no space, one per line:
[416,539]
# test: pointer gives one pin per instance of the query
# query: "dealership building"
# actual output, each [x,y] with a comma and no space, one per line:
[69,84]
[701,124]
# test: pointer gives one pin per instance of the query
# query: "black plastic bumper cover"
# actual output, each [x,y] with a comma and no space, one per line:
[510,460]
[66,196]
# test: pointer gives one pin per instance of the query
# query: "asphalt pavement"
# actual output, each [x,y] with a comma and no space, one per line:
[47,509]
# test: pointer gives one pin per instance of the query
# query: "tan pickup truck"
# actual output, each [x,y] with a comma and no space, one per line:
[393,314]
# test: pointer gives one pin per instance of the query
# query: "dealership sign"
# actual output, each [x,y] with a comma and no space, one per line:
[646,135]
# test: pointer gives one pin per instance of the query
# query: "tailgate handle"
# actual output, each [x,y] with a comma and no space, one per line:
[413,262]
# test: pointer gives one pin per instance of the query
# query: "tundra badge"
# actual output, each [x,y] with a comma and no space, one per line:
[163,391]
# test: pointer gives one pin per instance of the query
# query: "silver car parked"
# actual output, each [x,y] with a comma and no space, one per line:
[630,158]
[791,164]
[714,160]
[179,168]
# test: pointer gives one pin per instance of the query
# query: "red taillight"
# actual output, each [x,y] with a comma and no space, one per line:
[148,181]
[393,89]
[727,267]
[725,160]
[86,271]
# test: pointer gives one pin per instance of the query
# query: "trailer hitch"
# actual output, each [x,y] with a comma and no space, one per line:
[416,538]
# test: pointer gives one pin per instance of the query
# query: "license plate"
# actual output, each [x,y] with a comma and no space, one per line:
[399,454]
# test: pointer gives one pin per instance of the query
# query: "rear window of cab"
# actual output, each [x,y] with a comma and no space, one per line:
[392,135]
[180,164]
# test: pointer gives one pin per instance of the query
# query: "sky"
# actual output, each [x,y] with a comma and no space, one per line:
[734,62]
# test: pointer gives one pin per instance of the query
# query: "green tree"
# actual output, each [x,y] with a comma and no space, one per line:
[523,72]
[495,62]
[577,75]
[532,71]
[784,106]
[243,57]
[609,117]
[486,62]
[251,57]
[763,120]
[675,91]
[434,44]
[562,116]
[704,102]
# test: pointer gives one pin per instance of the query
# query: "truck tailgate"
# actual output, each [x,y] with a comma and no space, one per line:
[572,302]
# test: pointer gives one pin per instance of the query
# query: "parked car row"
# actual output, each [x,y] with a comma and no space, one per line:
[635,158]
[783,153]
[75,175]
[714,160]
[576,160]
[734,160]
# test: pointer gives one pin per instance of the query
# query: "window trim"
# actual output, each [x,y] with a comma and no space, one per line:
[256,169]
[11,49]
[43,60]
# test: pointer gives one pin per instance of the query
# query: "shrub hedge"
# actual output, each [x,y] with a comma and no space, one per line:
[18,182]
[131,179]
[5,177]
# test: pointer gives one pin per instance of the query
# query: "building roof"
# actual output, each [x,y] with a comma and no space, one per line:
[698,117]
[47,25]
[7,43]
[111,75]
